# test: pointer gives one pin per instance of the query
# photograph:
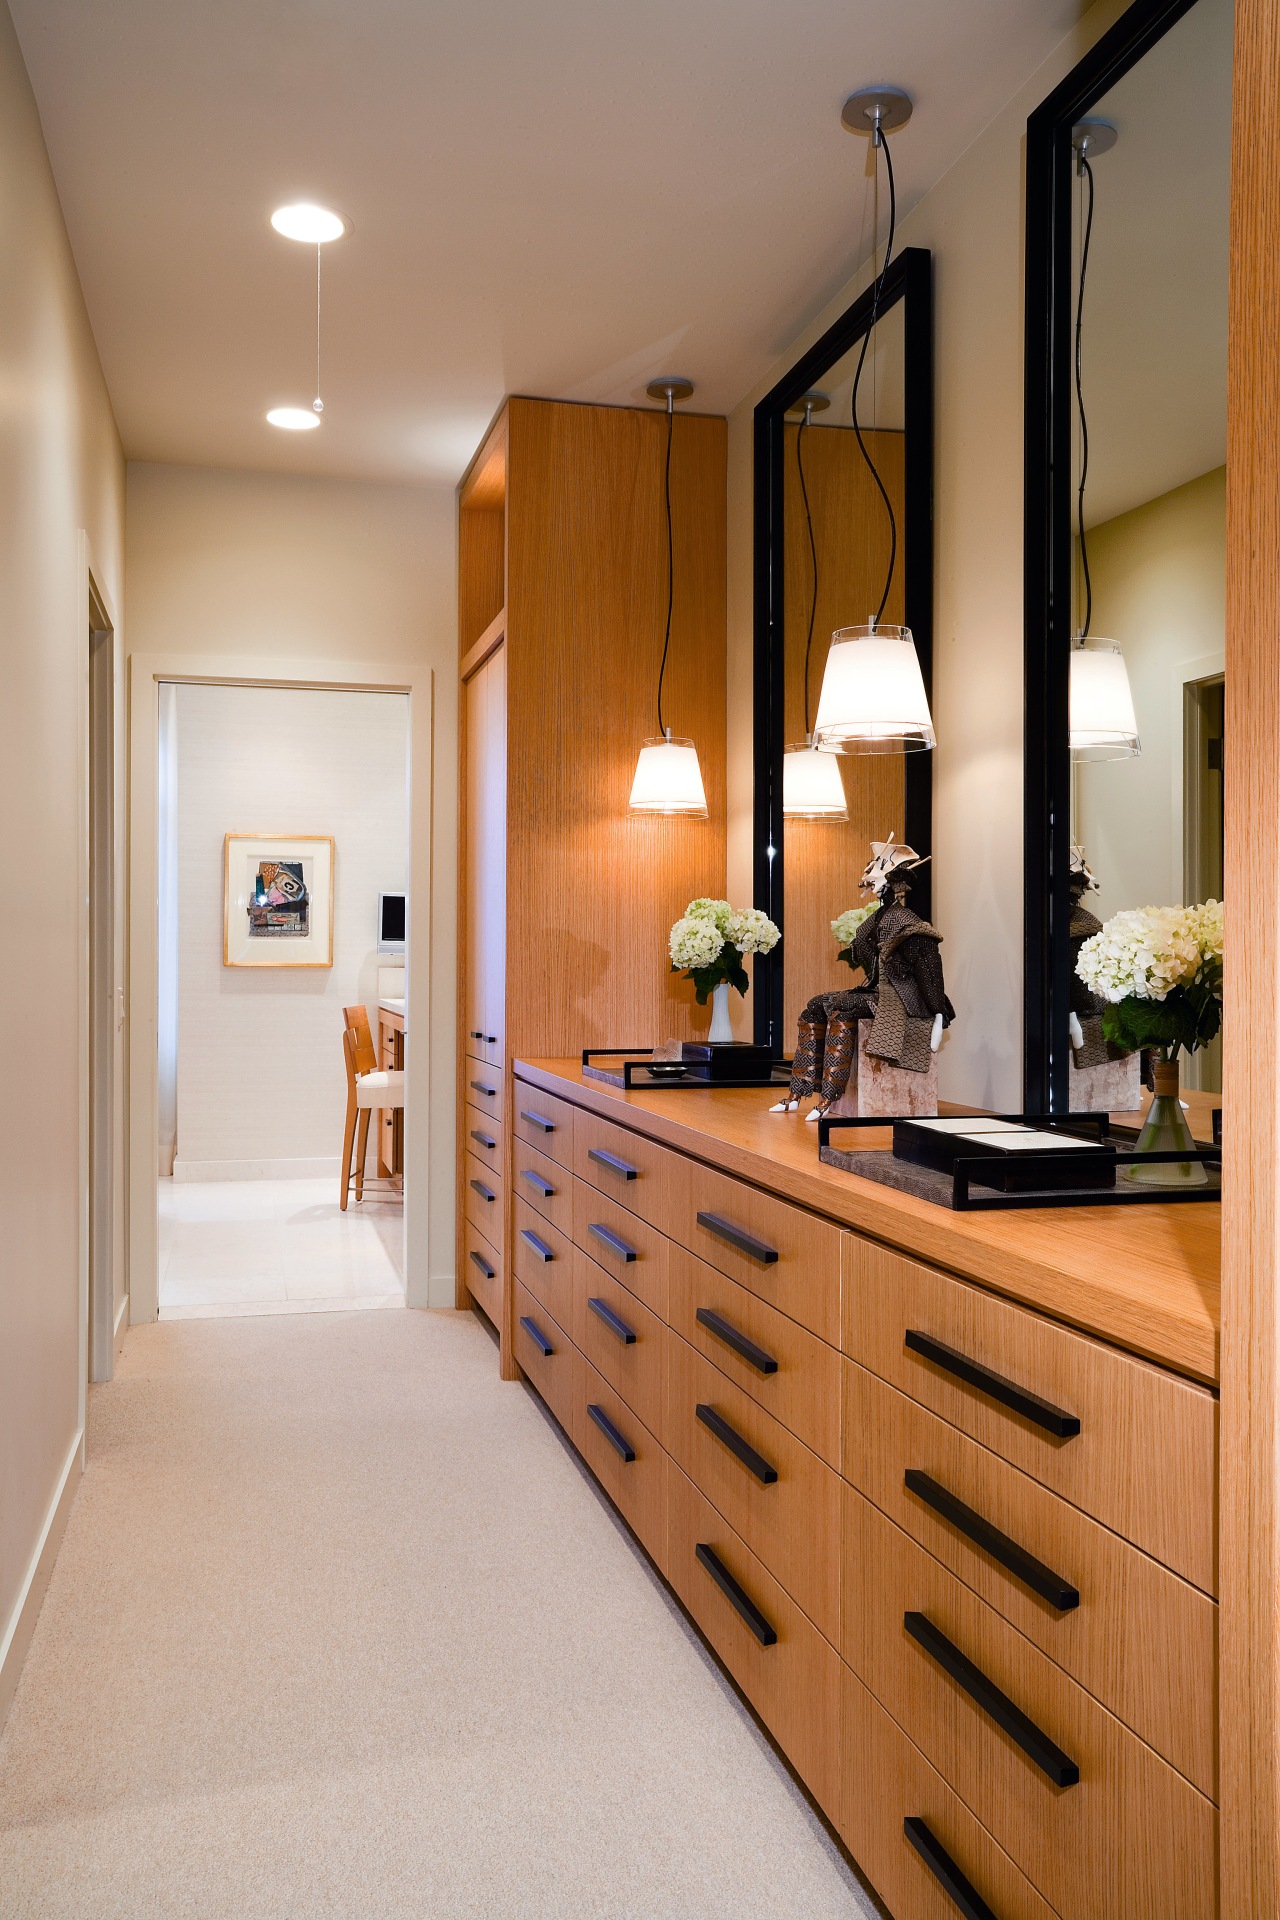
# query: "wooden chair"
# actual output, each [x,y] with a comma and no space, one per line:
[368,1086]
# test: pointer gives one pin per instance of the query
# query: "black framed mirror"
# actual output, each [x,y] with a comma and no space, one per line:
[823,543]
[1150,572]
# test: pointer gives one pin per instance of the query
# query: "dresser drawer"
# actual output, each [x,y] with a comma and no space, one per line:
[625,1457]
[482,1271]
[483,1089]
[1096,1820]
[788,1370]
[622,1339]
[789,1257]
[548,1356]
[1139,1638]
[1137,1447]
[782,1499]
[542,1260]
[482,1135]
[482,1195]
[622,1244]
[544,1122]
[789,1673]
[626,1166]
[887,1787]
[543,1183]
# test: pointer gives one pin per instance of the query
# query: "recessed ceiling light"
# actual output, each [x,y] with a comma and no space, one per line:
[303,220]
[293,419]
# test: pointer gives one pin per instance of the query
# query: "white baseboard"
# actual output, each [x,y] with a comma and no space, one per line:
[22,1621]
[325,1169]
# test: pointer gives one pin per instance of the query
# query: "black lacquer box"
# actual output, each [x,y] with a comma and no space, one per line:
[723,1062]
[1014,1158]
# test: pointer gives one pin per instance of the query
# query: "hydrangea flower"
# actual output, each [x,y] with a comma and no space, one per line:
[718,910]
[696,942]
[1142,953]
[846,924]
[752,931]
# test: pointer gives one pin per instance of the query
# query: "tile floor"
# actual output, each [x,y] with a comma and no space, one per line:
[229,1247]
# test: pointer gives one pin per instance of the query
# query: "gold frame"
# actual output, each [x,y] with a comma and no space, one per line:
[293,840]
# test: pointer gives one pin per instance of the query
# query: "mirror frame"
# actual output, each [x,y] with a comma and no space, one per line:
[909,279]
[1048,554]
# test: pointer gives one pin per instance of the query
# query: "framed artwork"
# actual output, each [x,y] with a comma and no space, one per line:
[277,900]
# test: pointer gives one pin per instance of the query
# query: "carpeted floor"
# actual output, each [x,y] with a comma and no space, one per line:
[339,1628]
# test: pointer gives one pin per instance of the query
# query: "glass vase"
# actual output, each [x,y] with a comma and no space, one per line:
[1165,1130]
[721,1033]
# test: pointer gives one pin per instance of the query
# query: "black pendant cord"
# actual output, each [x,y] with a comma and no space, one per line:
[1087,171]
[813,554]
[666,642]
[866,341]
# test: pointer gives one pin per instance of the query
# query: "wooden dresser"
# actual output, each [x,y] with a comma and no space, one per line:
[939,1489]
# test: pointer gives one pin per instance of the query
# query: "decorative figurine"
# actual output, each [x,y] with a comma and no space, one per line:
[1101,1077]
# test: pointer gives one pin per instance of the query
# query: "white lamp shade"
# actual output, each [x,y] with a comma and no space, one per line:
[873,698]
[811,785]
[669,779]
[1103,725]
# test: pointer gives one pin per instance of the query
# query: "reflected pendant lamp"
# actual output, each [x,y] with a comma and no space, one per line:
[668,778]
[811,785]
[873,697]
[1101,723]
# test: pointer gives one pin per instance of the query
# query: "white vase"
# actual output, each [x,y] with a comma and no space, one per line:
[721,1026]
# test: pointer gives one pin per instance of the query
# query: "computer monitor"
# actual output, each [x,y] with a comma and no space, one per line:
[391,922]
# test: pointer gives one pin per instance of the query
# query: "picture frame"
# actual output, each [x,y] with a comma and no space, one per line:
[277,900]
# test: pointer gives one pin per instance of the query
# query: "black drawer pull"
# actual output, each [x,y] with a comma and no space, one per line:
[1063,1426]
[1024,1566]
[622,1168]
[614,1243]
[475,1036]
[620,1446]
[540,1247]
[744,1242]
[537,1182]
[537,1336]
[753,1355]
[963,1895]
[603,1311]
[486,1193]
[1037,1746]
[539,1121]
[491,1038]
[490,1093]
[486,1140]
[741,1602]
[488,1271]
[740,1448]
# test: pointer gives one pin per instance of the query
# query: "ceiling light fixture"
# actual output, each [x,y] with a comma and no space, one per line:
[668,778]
[313,226]
[293,419]
[811,785]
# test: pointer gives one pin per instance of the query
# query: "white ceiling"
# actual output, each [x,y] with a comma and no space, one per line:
[563,198]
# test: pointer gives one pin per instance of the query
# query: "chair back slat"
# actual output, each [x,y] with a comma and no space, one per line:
[364,1058]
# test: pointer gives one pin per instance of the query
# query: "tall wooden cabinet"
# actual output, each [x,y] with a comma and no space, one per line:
[567,899]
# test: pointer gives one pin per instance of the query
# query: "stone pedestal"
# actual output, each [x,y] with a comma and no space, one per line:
[878,1091]
[1113,1087]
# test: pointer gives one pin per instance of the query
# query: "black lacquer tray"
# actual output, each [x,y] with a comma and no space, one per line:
[635,1071]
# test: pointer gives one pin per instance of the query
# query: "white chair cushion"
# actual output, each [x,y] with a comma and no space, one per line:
[382,1089]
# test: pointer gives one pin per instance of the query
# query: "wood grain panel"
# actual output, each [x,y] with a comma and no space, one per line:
[637,1487]
[554,1374]
[543,1122]
[626,1166]
[478,1130]
[797,1267]
[548,1274]
[622,1244]
[484,1199]
[543,1183]
[485,1288]
[637,1370]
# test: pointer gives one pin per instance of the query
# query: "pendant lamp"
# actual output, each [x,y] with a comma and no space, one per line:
[668,778]
[873,697]
[811,785]
[1102,724]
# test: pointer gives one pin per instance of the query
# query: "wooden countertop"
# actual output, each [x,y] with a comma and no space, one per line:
[1143,1277]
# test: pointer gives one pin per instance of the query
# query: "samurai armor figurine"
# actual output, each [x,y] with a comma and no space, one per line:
[1088,1047]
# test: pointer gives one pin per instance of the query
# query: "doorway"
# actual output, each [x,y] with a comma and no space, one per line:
[105,1007]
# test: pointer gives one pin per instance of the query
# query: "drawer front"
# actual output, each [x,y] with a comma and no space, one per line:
[483,1089]
[483,1198]
[544,1122]
[886,1783]
[793,1682]
[1127,1836]
[542,1260]
[789,1257]
[482,1135]
[475,1048]
[482,1271]
[630,1169]
[1139,1638]
[1144,1460]
[623,1340]
[729,1446]
[548,1356]
[625,1457]
[622,1244]
[543,1183]
[790,1372]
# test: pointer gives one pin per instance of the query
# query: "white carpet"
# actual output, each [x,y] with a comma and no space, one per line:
[340,1628]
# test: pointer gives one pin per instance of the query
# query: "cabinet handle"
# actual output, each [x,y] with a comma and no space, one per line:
[536,1181]
[537,1336]
[963,1895]
[740,1601]
[486,1140]
[540,1247]
[486,1193]
[603,1311]
[1024,1566]
[1051,1760]
[621,1447]
[622,1168]
[744,1242]
[488,1092]
[614,1243]
[488,1271]
[539,1121]
[491,1038]
[742,1449]
[475,1036]
[1063,1426]
[753,1355]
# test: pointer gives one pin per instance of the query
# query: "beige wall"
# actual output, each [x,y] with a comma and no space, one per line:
[972,220]
[61,476]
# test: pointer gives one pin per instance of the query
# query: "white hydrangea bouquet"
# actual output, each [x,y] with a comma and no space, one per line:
[710,940]
[1160,971]
[846,924]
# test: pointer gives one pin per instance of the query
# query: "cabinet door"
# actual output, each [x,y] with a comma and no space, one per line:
[484,880]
